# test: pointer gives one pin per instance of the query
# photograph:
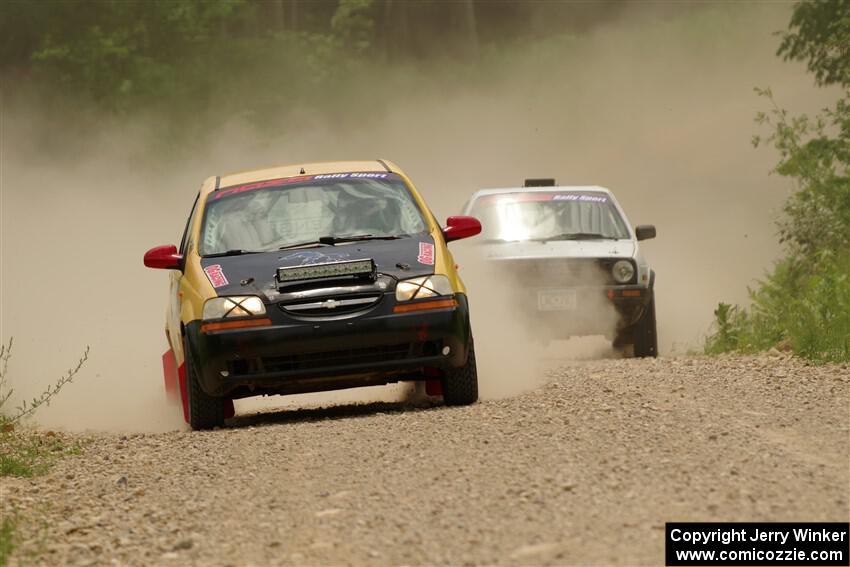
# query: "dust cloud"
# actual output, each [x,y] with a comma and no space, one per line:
[514,346]
[656,109]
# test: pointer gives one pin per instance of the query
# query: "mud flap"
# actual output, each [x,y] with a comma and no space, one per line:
[434,387]
[184,395]
[433,381]
[169,371]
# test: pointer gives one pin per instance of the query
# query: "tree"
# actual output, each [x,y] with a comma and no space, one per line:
[805,301]
[820,35]
[815,151]
[353,24]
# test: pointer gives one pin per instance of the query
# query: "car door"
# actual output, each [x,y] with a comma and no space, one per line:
[173,330]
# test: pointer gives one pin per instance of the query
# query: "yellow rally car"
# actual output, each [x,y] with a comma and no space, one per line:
[313,277]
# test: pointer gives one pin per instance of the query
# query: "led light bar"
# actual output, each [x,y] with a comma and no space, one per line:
[326,270]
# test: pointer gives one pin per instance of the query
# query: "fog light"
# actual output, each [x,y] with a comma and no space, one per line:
[446,350]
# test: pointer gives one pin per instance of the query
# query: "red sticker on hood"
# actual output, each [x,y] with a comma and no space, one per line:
[426,253]
[216,275]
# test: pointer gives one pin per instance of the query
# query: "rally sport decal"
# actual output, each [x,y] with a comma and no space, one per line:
[216,275]
[292,180]
[426,253]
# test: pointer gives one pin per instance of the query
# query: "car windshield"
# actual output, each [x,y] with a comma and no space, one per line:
[549,216]
[287,212]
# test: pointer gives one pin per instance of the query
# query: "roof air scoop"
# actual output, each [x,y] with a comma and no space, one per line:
[542,182]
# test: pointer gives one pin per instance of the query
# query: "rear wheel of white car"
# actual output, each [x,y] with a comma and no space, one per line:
[460,385]
[205,411]
[645,335]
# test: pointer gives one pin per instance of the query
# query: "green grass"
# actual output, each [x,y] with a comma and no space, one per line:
[30,453]
[7,539]
[804,308]
[27,453]
[14,465]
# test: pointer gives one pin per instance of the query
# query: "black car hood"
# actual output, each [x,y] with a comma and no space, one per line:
[404,258]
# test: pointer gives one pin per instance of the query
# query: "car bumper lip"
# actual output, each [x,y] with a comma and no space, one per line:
[299,356]
[360,374]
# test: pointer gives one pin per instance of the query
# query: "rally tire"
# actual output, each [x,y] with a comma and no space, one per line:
[205,411]
[460,385]
[645,332]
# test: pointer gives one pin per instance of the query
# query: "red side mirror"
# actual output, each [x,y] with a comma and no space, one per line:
[461,227]
[163,257]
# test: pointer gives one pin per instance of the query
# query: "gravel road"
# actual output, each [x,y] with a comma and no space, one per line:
[584,469]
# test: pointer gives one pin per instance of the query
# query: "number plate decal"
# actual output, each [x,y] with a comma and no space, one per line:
[556,299]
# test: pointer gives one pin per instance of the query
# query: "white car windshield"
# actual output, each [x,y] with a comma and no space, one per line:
[276,214]
[569,215]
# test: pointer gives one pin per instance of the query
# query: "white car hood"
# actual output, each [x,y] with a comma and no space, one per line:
[560,249]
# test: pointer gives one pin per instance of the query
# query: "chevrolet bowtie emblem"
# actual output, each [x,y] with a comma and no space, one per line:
[330,304]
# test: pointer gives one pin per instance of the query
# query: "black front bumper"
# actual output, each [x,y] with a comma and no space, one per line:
[297,355]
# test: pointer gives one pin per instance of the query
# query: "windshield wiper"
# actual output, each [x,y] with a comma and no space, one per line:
[332,240]
[233,252]
[301,244]
[357,238]
[577,236]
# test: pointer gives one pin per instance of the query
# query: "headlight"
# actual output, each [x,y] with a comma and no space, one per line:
[233,306]
[623,271]
[418,288]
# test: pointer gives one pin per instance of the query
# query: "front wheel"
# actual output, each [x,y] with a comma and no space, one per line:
[646,336]
[205,411]
[460,385]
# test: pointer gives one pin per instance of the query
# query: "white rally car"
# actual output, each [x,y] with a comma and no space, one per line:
[575,259]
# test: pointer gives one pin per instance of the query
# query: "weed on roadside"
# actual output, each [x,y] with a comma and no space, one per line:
[805,310]
[8,539]
[24,538]
[28,452]
[27,408]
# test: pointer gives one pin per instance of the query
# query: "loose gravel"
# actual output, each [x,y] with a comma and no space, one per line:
[586,469]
